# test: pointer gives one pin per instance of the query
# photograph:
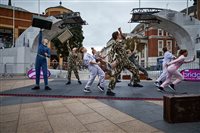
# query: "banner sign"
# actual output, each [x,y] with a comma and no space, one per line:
[32,74]
[191,74]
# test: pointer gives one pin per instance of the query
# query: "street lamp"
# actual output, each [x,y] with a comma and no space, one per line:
[187,8]
[38,7]
[139,3]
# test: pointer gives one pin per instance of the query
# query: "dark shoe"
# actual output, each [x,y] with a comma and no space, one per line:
[68,83]
[47,88]
[100,88]
[36,88]
[171,86]
[160,89]
[87,90]
[130,85]
[157,84]
[79,82]
[110,93]
[148,79]
[118,81]
[137,85]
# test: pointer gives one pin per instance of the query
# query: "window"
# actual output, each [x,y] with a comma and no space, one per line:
[169,45]
[142,55]
[167,34]
[160,53]
[160,47]
[160,32]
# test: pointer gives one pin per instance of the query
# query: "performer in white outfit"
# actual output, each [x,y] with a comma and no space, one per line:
[167,58]
[172,69]
[94,70]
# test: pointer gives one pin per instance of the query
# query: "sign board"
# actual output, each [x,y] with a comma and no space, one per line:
[191,74]
[32,74]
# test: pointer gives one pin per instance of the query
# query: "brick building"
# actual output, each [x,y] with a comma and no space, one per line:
[13,20]
[16,20]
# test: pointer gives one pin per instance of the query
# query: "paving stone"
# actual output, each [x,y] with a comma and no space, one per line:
[69,101]
[114,115]
[35,110]
[29,118]
[57,110]
[87,101]
[65,122]
[8,127]
[31,105]
[90,118]
[137,126]
[78,108]
[9,109]
[9,117]
[52,104]
[97,105]
[37,127]
[104,126]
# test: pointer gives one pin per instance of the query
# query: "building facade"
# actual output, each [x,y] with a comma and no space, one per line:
[16,20]
[151,53]
[13,20]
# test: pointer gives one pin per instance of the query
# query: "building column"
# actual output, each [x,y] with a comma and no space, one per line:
[16,34]
[145,55]
[60,61]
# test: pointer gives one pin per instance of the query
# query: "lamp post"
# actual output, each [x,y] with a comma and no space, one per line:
[139,3]
[38,7]
[187,8]
[13,45]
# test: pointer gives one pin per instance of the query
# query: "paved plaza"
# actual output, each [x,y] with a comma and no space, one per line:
[25,114]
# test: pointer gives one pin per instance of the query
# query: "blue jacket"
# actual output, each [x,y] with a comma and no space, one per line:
[42,49]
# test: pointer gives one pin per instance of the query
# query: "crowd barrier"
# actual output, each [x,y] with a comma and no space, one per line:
[9,70]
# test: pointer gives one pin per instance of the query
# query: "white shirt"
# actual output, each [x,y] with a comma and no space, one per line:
[167,57]
[87,58]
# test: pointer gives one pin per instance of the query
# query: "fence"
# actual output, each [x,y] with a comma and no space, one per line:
[60,71]
[12,69]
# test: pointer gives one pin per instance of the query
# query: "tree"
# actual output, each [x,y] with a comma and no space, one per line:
[75,41]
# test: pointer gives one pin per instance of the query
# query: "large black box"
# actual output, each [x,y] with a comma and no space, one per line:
[181,108]
[41,22]
[198,53]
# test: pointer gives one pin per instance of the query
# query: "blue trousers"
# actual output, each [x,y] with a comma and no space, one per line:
[41,63]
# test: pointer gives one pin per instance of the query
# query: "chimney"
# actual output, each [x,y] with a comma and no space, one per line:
[9,3]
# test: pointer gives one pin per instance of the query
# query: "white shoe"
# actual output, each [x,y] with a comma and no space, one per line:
[87,90]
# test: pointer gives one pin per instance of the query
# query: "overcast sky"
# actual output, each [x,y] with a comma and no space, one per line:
[103,16]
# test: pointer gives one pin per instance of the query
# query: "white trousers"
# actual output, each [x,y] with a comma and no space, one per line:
[163,75]
[94,71]
[172,70]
